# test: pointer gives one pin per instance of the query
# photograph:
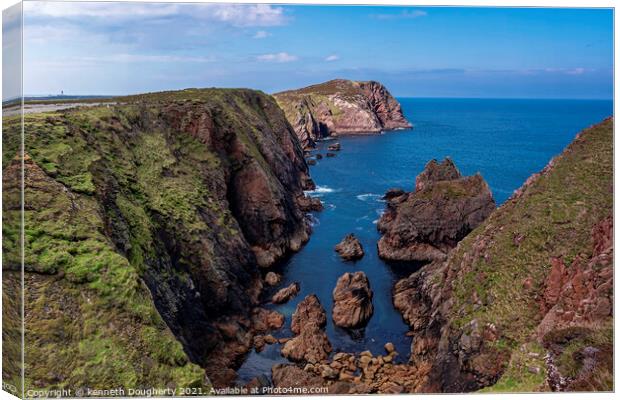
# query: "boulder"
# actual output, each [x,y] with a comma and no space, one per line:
[264,320]
[350,248]
[424,225]
[287,375]
[308,323]
[352,301]
[285,294]
[272,278]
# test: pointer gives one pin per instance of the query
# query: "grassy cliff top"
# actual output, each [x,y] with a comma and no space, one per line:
[189,94]
[342,86]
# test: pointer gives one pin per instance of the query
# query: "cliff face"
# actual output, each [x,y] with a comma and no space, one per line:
[340,106]
[163,207]
[524,302]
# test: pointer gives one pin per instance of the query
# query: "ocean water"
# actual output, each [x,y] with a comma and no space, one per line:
[505,140]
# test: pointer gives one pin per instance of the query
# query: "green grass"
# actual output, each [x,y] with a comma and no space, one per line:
[112,193]
[555,215]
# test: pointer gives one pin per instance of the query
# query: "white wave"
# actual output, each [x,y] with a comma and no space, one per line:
[370,197]
[312,220]
[319,191]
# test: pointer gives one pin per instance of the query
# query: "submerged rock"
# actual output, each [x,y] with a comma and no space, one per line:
[285,294]
[334,147]
[308,323]
[331,154]
[424,225]
[352,300]
[350,248]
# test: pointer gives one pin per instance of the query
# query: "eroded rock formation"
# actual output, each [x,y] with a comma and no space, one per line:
[340,106]
[352,300]
[308,324]
[350,248]
[425,224]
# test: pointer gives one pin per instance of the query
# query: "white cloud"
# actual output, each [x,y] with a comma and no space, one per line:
[261,35]
[281,57]
[249,14]
[406,14]
[332,57]
[239,15]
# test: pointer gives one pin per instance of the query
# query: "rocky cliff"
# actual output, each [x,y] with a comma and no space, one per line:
[524,302]
[147,223]
[340,106]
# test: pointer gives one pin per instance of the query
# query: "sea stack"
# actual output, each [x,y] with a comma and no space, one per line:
[425,224]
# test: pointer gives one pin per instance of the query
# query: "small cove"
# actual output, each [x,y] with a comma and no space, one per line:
[505,140]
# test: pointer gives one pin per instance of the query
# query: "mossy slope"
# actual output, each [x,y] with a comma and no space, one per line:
[134,233]
[483,317]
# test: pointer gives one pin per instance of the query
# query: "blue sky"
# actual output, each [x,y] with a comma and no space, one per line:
[116,48]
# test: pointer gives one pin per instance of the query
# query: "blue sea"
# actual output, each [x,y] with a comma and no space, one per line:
[505,140]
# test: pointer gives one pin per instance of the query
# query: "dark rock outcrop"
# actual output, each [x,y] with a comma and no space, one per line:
[340,106]
[350,248]
[424,225]
[309,203]
[510,283]
[352,301]
[285,294]
[308,323]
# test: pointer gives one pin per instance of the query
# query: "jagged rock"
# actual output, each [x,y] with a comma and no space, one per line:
[340,106]
[352,300]
[334,147]
[426,224]
[266,320]
[393,193]
[350,248]
[308,323]
[436,172]
[308,203]
[272,278]
[285,294]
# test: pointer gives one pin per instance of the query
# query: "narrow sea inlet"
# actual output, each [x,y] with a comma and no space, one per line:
[505,140]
